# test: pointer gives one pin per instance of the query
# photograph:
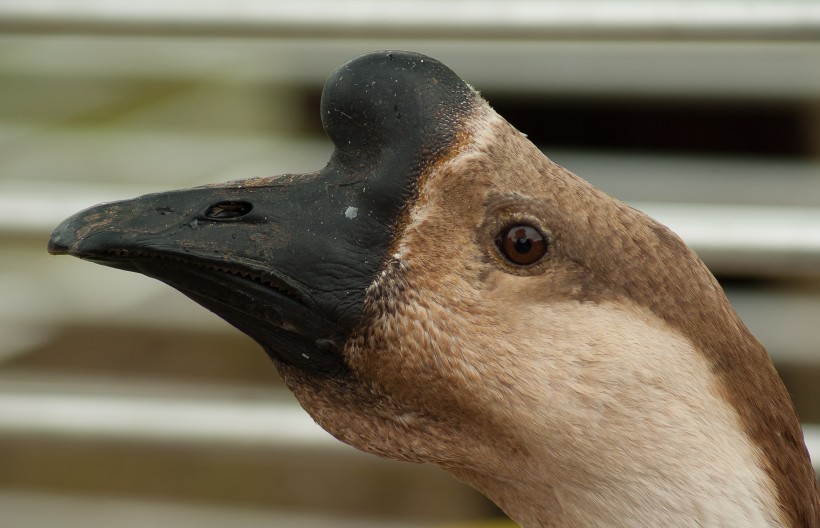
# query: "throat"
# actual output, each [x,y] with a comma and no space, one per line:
[621,424]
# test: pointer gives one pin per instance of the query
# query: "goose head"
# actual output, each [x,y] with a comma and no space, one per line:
[442,292]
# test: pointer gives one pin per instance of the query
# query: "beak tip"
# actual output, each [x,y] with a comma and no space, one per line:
[56,246]
[62,239]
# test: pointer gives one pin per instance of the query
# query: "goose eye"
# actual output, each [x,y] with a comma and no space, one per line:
[521,244]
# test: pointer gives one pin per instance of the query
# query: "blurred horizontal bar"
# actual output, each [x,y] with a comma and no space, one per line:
[482,19]
[32,509]
[811,434]
[746,238]
[662,69]
[264,422]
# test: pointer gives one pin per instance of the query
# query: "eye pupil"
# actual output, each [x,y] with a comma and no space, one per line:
[522,244]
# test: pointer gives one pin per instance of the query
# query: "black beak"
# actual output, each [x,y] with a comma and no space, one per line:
[288,259]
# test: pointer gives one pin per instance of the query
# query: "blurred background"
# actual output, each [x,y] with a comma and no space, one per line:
[124,404]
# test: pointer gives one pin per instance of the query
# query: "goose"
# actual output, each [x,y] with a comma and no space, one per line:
[442,292]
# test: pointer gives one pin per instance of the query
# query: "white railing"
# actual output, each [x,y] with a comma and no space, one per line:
[521,19]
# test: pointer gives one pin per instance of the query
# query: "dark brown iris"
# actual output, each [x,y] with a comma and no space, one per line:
[522,244]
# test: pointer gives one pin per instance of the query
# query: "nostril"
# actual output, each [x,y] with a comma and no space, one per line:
[228,210]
